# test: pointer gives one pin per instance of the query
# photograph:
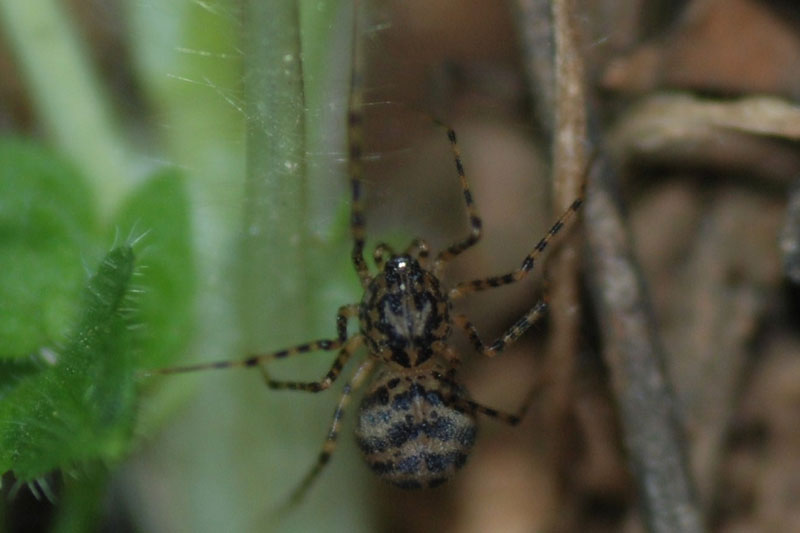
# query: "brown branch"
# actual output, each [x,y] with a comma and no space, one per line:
[535,28]
[632,350]
[569,162]
[569,157]
[569,142]
[645,400]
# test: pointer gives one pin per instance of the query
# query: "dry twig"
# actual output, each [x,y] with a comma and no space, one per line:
[633,354]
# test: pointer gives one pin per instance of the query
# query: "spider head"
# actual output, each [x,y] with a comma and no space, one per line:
[401,268]
[404,315]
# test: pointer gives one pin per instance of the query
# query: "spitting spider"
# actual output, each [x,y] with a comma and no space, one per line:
[416,424]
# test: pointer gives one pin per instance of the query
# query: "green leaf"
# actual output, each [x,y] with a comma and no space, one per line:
[46,221]
[81,408]
[159,211]
[80,502]
[12,371]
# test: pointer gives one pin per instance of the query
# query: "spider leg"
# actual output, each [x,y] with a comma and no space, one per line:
[345,312]
[316,386]
[474,219]
[329,446]
[355,167]
[509,418]
[382,252]
[512,334]
[470,406]
[419,249]
[466,287]
[453,362]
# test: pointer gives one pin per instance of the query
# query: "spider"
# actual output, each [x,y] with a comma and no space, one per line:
[416,423]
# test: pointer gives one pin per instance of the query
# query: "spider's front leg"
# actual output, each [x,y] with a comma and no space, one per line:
[466,287]
[381,254]
[355,165]
[474,219]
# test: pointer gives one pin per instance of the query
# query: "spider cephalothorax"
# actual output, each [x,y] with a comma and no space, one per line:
[404,316]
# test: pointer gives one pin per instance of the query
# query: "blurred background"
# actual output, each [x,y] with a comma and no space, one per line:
[695,100]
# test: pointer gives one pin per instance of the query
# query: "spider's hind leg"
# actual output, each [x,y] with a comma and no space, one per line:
[329,446]
[467,405]
[509,418]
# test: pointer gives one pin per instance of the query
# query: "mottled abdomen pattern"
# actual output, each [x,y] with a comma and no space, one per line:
[408,431]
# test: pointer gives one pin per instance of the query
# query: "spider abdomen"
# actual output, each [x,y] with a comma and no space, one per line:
[409,432]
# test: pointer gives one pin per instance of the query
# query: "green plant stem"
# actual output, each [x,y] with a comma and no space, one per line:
[67,95]
[274,252]
[287,280]
[81,502]
[326,37]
